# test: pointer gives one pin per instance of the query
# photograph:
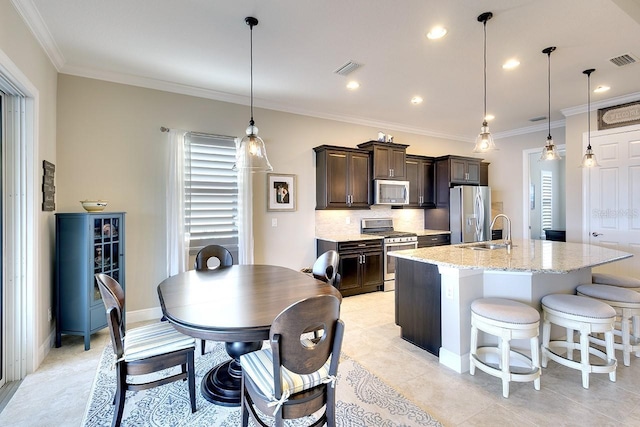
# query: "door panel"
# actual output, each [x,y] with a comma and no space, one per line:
[614,198]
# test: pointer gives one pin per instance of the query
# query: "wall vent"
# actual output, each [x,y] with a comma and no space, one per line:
[538,119]
[348,68]
[624,59]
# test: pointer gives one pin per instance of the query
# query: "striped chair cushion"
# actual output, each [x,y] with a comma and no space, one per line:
[154,339]
[259,366]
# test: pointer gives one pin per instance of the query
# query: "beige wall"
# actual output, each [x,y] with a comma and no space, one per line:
[21,51]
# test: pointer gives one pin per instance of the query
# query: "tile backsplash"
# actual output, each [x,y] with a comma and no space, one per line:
[332,222]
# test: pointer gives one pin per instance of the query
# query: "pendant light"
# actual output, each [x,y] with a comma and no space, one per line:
[484,141]
[549,152]
[252,154]
[589,158]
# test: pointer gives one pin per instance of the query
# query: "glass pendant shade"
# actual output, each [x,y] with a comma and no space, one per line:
[549,152]
[484,140]
[252,154]
[589,159]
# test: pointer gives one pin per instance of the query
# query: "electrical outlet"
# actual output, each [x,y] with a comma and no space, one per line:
[448,291]
[274,222]
[49,317]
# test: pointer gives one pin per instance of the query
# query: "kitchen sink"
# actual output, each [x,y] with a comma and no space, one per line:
[486,246]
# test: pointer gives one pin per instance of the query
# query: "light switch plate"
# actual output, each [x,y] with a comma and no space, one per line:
[274,222]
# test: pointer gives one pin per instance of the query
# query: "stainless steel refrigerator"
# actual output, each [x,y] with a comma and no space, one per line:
[470,213]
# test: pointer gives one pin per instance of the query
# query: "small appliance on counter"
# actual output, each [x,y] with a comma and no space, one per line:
[393,241]
[469,213]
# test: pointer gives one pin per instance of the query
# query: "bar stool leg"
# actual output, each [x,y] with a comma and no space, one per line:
[546,334]
[608,336]
[570,343]
[625,322]
[535,359]
[584,357]
[636,331]
[505,351]
[474,348]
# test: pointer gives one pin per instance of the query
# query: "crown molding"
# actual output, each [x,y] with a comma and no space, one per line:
[572,111]
[35,23]
[529,129]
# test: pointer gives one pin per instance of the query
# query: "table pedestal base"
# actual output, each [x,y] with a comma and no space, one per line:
[222,384]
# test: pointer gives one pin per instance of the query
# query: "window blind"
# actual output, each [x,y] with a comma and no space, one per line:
[211,192]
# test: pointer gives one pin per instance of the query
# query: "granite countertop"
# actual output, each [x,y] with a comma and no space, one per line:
[348,237]
[430,232]
[534,256]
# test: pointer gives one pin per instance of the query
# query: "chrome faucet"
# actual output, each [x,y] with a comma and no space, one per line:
[507,237]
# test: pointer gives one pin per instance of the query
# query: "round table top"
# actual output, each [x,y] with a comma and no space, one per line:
[236,303]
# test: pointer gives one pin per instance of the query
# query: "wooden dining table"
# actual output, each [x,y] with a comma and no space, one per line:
[237,305]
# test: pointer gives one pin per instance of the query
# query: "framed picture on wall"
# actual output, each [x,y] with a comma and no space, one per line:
[281,192]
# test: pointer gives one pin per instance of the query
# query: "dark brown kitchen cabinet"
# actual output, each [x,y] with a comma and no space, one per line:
[484,173]
[343,179]
[434,240]
[360,267]
[421,177]
[388,159]
[454,170]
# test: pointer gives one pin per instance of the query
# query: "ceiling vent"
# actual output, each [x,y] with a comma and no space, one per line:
[538,119]
[624,59]
[347,68]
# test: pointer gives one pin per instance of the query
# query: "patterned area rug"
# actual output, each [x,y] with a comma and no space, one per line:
[362,400]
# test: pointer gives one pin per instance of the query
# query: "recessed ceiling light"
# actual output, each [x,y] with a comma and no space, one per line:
[601,89]
[353,85]
[510,64]
[436,33]
[416,100]
[489,117]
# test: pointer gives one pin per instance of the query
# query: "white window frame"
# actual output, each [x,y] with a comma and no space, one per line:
[546,200]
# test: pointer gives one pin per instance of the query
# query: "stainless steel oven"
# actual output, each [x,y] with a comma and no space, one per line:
[395,244]
[393,241]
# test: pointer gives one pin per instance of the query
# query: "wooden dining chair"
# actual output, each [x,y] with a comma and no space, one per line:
[222,254]
[224,259]
[295,375]
[144,350]
[326,268]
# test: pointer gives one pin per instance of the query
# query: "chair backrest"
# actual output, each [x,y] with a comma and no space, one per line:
[303,356]
[326,267]
[213,251]
[113,299]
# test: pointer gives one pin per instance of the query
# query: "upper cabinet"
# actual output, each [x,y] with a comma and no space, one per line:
[420,171]
[388,159]
[484,173]
[454,170]
[343,179]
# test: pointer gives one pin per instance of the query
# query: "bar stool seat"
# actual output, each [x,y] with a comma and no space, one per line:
[616,280]
[626,303]
[587,316]
[507,320]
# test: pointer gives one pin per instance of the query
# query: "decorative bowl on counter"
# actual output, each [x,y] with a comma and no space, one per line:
[94,205]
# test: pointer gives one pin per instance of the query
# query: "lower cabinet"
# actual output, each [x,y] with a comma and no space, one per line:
[361,264]
[418,308]
[434,240]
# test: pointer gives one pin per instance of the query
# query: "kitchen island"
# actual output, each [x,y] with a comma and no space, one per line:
[435,286]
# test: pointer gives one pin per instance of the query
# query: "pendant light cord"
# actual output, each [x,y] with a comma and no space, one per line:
[549,89]
[589,111]
[251,122]
[484,118]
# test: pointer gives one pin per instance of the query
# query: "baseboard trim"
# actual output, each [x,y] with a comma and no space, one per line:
[144,315]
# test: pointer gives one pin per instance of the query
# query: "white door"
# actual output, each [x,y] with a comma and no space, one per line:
[613,199]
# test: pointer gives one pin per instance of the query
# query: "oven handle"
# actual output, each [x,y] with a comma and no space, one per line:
[414,244]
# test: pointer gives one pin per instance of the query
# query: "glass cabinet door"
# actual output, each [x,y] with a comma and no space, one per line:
[106,249]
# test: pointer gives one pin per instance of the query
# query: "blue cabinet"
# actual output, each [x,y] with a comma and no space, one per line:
[86,244]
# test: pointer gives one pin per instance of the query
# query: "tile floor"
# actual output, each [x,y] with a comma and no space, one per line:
[57,393]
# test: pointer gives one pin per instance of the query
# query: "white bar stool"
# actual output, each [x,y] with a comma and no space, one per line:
[626,303]
[507,320]
[588,316]
[616,280]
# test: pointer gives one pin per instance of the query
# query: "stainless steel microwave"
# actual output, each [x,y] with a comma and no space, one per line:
[387,192]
